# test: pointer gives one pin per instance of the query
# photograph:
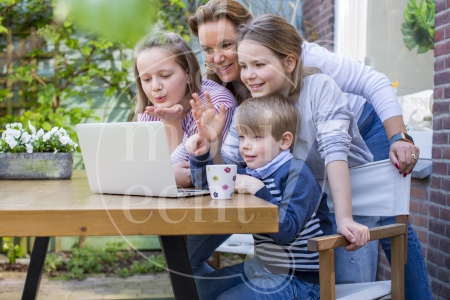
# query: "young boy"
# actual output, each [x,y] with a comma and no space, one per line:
[282,268]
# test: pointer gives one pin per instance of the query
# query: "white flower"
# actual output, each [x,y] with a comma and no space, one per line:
[29,148]
[62,131]
[25,138]
[16,125]
[32,128]
[40,133]
[11,141]
[65,139]
[15,133]
[7,132]
[30,140]
[47,136]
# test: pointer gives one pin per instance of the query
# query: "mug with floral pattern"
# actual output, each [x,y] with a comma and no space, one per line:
[221,180]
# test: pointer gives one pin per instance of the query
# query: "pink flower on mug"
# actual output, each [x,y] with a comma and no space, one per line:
[227,170]
[225,187]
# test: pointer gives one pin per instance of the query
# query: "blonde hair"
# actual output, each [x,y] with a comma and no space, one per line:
[215,10]
[282,39]
[273,112]
[174,45]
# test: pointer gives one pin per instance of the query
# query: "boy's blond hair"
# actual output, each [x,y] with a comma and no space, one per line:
[272,114]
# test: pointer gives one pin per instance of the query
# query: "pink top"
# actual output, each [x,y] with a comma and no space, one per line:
[219,95]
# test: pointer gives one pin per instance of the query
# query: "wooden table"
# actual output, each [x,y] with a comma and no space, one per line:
[48,208]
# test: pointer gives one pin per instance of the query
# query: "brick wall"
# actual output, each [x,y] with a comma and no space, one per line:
[430,197]
[320,15]
[438,257]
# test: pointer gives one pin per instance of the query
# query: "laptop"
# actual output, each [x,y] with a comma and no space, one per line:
[129,158]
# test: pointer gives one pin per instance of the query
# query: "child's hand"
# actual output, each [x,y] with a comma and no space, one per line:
[212,122]
[246,184]
[355,233]
[165,114]
[197,144]
[182,174]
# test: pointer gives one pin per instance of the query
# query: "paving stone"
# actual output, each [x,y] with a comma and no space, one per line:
[54,295]
[130,291]
[12,296]
[13,275]
[121,296]
[84,296]
[152,286]
[154,291]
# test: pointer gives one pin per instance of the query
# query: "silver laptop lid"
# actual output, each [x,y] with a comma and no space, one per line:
[127,158]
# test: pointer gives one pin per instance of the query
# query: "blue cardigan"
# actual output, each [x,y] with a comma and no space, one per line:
[303,214]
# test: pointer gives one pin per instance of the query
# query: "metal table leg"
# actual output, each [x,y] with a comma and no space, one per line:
[180,272]
[35,268]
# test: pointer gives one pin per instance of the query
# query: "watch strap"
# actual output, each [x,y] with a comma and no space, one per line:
[401,137]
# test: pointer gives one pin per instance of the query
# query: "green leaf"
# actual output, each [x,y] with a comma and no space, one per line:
[409,43]
[418,27]
[125,21]
[47,126]
[422,49]
[109,92]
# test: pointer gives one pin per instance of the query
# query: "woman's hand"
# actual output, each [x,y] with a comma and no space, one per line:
[357,234]
[170,114]
[246,184]
[401,155]
[182,174]
[212,122]
[197,144]
[400,152]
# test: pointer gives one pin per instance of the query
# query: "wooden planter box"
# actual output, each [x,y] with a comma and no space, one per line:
[36,165]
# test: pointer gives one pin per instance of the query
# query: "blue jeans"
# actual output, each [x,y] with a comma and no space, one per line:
[250,280]
[200,248]
[416,277]
[359,265]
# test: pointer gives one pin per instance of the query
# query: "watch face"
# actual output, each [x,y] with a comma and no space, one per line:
[407,136]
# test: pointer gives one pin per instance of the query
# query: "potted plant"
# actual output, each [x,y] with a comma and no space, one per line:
[35,154]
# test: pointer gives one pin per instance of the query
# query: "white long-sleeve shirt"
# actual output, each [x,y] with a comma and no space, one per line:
[361,82]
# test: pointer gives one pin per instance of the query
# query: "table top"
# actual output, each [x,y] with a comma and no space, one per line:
[69,208]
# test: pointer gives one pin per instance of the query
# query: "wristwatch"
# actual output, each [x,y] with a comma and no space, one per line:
[402,136]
